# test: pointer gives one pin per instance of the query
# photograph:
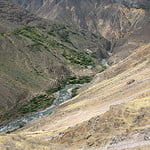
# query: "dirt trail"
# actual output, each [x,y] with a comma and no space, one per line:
[77,118]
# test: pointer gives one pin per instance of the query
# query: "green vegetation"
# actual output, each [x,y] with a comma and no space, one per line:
[53,90]
[69,80]
[94,55]
[74,91]
[2,33]
[57,36]
[21,125]
[76,80]
[62,32]
[40,37]
[38,102]
[8,132]
[79,58]
[31,33]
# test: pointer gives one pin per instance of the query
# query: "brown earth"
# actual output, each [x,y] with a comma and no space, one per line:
[125,23]
[96,119]
[31,56]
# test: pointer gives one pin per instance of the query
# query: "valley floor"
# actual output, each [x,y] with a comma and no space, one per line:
[112,112]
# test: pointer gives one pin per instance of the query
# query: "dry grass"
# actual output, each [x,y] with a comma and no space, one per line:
[71,126]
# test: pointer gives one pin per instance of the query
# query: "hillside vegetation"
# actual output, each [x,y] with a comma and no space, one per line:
[34,59]
[125,23]
[96,119]
[103,43]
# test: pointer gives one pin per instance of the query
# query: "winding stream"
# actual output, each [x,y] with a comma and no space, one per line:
[61,96]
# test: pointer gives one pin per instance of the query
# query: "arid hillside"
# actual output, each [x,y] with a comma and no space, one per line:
[125,23]
[30,5]
[12,16]
[48,44]
[112,112]
[36,56]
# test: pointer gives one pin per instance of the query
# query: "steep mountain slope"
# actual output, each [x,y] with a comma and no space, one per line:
[125,46]
[88,122]
[114,19]
[35,57]
[111,112]
[31,5]
[12,16]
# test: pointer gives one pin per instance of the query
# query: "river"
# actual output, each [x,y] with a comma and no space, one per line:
[61,96]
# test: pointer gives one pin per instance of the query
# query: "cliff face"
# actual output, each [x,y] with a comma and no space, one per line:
[12,16]
[112,18]
[119,21]
[30,5]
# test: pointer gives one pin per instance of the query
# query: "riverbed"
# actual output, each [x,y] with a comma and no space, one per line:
[61,96]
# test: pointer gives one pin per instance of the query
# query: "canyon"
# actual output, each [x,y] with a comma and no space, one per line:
[47,44]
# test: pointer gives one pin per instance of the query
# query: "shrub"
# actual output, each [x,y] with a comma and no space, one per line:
[21,125]
[53,90]
[76,80]
[94,55]
[36,103]
[78,58]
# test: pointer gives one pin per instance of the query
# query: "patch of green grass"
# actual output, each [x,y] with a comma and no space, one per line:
[36,103]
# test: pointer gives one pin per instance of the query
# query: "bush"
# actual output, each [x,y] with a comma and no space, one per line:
[85,79]
[53,90]
[78,58]
[75,80]
[21,125]
[36,103]
[94,55]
